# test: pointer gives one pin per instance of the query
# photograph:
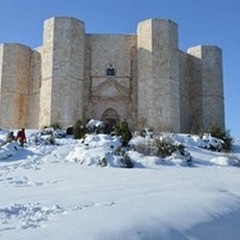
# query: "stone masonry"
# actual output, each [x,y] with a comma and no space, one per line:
[143,78]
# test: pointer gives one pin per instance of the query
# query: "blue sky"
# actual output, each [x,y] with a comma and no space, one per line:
[201,22]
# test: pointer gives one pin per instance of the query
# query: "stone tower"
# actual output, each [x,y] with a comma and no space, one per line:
[15,70]
[61,95]
[207,99]
[158,77]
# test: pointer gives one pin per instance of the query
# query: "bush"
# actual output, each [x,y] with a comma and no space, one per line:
[126,161]
[102,162]
[79,129]
[224,135]
[123,130]
[164,147]
[216,132]
[147,149]
[42,139]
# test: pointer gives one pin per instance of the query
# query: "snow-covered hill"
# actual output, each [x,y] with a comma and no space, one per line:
[61,192]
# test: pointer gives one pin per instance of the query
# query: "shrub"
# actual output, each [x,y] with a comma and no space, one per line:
[123,130]
[164,147]
[102,162]
[79,129]
[105,128]
[224,135]
[126,161]
[146,149]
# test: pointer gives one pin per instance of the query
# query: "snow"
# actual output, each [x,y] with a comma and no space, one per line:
[61,191]
[94,123]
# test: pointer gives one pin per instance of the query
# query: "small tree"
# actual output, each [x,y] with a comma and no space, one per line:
[79,129]
[164,147]
[123,130]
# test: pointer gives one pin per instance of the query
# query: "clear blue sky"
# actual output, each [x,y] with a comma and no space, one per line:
[201,22]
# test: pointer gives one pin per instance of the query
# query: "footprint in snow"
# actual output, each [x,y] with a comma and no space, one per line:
[19,181]
[25,216]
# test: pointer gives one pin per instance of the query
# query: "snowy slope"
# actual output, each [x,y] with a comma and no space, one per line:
[49,192]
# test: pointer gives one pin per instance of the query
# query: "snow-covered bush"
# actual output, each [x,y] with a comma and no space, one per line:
[224,135]
[123,130]
[95,126]
[181,155]
[41,139]
[211,143]
[163,146]
[47,136]
[79,129]
[216,139]
[102,140]
[125,158]
[59,133]
[126,161]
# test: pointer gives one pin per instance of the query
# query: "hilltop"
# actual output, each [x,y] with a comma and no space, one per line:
[82,189]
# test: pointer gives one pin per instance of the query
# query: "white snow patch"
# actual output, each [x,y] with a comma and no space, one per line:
[51,191]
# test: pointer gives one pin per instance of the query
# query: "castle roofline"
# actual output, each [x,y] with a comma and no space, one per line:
[64,18]
[158,20]
[14,44]
[205,46]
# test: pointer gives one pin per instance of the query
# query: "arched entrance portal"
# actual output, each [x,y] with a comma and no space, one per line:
[110,117]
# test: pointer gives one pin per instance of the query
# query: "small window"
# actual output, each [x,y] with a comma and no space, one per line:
[110,71]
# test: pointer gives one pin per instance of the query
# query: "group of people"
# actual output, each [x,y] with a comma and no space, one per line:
[21,137]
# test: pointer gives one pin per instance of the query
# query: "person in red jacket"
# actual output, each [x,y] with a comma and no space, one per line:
[21,137]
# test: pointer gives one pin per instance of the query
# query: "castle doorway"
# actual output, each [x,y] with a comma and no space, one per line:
[110,118]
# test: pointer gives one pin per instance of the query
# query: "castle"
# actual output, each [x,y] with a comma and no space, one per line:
[143,78]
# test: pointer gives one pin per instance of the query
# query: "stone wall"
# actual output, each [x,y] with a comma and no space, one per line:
[184,79]
[195,91]
[111,92]
[34,89]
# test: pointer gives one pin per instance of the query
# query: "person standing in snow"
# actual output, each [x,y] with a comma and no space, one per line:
[21,137]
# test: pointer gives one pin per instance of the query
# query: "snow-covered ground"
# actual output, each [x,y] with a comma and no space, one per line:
[60,192]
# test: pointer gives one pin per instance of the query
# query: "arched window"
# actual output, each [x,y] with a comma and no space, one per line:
[110,71]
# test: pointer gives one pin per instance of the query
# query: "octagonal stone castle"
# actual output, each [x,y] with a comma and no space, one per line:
[143,78]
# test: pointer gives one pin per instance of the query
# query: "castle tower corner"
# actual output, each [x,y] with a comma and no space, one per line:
[61,95]
[158,75]
[210,86]
[15,75]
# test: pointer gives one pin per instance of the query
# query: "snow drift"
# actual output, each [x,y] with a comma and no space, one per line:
[60,191]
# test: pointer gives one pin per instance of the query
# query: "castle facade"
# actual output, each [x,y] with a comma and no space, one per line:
[143,78]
